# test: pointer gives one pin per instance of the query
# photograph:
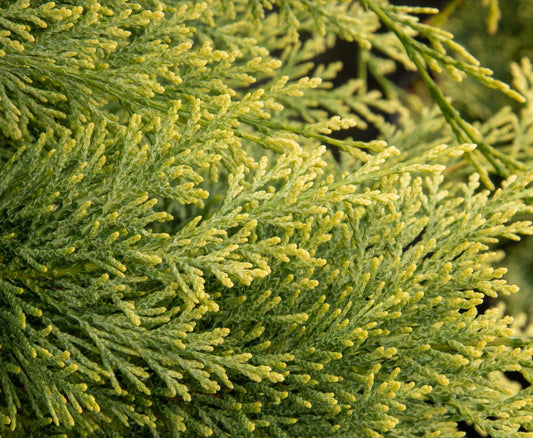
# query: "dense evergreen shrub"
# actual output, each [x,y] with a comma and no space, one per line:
[182,256]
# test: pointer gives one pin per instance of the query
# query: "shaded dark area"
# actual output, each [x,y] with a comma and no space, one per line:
[469,429]
[348,53]
[517,377]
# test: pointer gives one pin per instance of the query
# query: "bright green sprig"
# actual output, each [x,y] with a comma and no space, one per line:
[437,56]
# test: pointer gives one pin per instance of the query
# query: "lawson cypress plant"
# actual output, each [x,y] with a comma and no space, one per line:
[181,255]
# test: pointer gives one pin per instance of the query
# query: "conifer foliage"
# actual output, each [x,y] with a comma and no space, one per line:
[182,256]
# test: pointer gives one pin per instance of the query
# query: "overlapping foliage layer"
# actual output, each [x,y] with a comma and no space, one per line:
[180,255]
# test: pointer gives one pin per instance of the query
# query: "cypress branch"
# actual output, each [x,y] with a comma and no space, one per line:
[181,255]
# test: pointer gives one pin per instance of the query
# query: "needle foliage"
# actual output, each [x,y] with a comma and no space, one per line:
[182,256]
